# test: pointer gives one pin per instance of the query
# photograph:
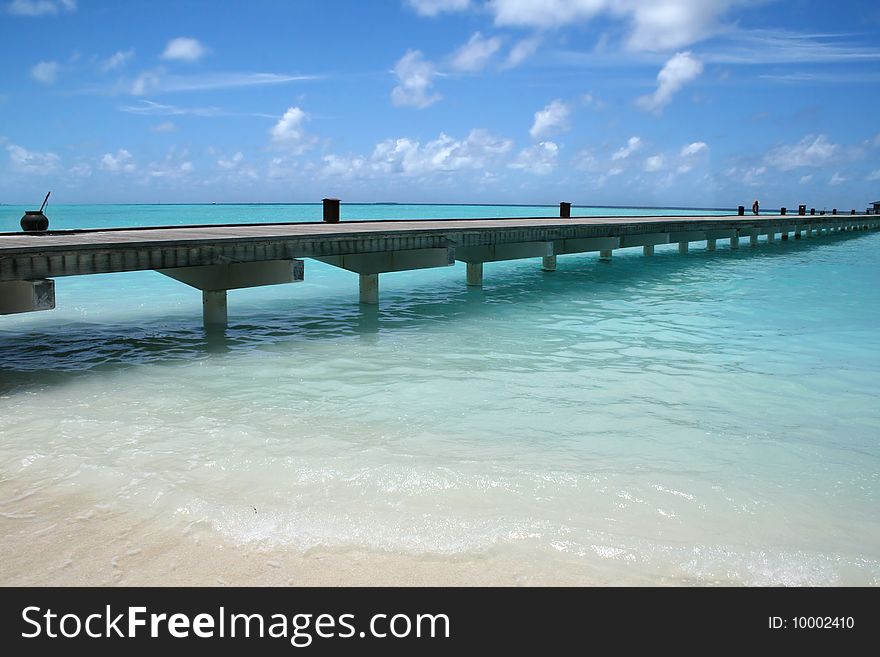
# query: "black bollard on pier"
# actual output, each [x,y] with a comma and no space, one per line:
[741,210]
[565,210]
[331,210]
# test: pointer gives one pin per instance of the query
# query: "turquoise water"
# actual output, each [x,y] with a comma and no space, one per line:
[708,418]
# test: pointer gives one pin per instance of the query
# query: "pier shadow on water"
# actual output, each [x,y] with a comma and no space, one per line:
[436,302]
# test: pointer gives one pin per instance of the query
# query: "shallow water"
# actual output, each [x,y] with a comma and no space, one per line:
[709,418]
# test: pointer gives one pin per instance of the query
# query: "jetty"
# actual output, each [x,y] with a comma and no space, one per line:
[217,258]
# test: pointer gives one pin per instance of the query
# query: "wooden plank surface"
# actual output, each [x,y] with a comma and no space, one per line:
[20,242]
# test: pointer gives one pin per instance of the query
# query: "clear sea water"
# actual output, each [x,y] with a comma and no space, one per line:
[708,418]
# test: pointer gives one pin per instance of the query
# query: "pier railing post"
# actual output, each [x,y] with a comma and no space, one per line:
[741,210]
[548,263]
[565,210]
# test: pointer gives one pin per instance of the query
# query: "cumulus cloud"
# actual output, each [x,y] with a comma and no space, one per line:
[874,175]
[409,157]
[653,163]
[232,162]
[31,162]
[810,151]
[521,51]
[185,49]
[289,132]
[552,119]
[632,145]
[415,78]
[836,179]
[654,24]
[540,158]
[695,148]
[117,60]
[40,7]
[45,72]
[434,7]
[475,54]
[805,179]
[681,69]
[120,162]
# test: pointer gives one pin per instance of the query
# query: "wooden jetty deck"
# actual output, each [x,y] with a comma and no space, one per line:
[217,258]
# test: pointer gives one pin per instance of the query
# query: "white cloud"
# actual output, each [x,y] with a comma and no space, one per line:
[411,158]
[289,133]
[434,7]
[45,72]
[684,168]
[185,49]
[415,76]
[616,171]
[654,24]
[540,158]
[165,126]
[475,54]
[32,162]
[146,82]
[521,51]
[681,69]
[120,162]
[805,179]
[836,179]
[40,7]
[695,148]
[552,119]
[231,163]
[632,145]
[442,154]
[81,170]
[874,175]
[653,163]
[810,151]
[157,81]
[117,60]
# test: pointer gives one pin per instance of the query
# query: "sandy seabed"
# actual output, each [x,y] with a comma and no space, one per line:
[69,540]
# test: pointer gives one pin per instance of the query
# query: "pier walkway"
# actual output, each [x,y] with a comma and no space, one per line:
[217,258]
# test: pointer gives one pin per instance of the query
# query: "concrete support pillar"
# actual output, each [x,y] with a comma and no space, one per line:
[784,236]
[797,232]
[753,239]
[770,237]
[605,255]
[734,242]
[214,308]
[369,288]
[710,244]
[475,274]
[648,250]
[548,263]
[682,248]
[809,231]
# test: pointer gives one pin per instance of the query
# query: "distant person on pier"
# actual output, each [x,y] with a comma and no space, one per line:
[755,207]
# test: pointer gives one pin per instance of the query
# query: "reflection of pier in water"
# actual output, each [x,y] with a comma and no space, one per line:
[217,258]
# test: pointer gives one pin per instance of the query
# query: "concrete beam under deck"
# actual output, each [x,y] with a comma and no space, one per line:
[498,252]
[27,296]
[645,239]
[370,265]
[585,245]
[388,261]
[215,280]
[238,275]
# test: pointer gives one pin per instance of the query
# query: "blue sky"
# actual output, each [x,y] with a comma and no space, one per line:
[624,102]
